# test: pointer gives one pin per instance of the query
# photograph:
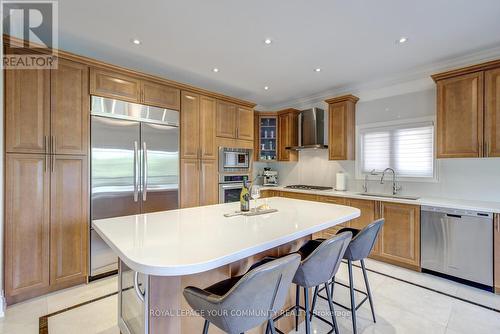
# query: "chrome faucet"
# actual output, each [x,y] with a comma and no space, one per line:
[365,184]
[395,186]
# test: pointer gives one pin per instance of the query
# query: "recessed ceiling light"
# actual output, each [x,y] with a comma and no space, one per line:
[266,87]
[402,40]
[215,69]
[317,69]
[136,41]
[268,41]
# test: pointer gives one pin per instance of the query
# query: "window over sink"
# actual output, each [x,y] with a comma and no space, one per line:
[406,146]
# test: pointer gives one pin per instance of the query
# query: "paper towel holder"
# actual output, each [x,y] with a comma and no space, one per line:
[340,184]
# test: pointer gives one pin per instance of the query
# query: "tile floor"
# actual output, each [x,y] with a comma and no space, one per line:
[400,307]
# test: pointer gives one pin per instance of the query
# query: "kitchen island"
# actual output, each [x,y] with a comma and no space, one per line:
[161,253]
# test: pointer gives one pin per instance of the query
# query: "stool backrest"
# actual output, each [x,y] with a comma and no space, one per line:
[362,244]
[261,291]
[322,264]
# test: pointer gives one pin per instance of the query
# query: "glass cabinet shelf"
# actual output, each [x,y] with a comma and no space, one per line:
[268,138]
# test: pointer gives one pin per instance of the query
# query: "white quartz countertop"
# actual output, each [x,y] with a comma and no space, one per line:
[194,240]
[460,204]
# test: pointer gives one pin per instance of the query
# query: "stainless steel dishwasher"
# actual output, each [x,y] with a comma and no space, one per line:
[458,243]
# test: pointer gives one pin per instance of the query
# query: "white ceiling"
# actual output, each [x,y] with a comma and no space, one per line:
[353,41]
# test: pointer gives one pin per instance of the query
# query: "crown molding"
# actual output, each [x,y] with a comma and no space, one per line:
[413,80]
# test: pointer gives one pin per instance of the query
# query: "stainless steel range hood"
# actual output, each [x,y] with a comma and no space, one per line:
[311,130]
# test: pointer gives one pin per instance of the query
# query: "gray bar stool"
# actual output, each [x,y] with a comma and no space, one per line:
[359,248]
[241,303]
[320,262]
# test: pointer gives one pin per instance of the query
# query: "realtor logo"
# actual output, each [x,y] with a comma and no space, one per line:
[34,23]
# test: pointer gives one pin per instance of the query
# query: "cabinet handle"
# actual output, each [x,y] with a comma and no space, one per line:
[45,163]
[54,145]
[486,149]
[53,158]
[46,143]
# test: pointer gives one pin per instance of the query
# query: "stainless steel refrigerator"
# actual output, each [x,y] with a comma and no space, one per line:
[134,167]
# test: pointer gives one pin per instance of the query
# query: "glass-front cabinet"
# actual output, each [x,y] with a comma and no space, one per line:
[268,144]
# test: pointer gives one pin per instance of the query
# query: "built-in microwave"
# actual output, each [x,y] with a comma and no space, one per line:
[234,159]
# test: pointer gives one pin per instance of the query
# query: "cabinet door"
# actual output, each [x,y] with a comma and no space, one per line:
[400,236]
[330,232]
[190,183]
[226,119]
[492,113]
[245,123]
[341,125]
[158,95]
[287,136]
[460,116]
[26,224]
[209,187]
[208,146]
[114,85]
[302,196]
[70,108]
[69,220]
[368,215]
[190,126]
[27,110]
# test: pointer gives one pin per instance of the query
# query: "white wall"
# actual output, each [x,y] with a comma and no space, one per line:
[477,179]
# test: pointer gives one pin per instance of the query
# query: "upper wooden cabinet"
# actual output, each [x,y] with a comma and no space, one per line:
[460,116]
[234,121]
[27,111]
[120,86]
[468,110]
[48,111]
[287,135]
[70,108]
[156,94]
[492,113]
[342,127]
[198,118]
[244,129]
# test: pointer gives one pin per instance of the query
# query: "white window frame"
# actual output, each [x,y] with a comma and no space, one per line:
[360,175]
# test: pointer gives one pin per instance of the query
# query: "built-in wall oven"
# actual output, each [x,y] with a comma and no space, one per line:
[234,166]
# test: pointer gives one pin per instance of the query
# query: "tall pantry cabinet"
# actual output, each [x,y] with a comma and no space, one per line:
[46,179]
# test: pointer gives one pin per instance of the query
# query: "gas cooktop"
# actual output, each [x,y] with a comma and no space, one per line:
[307,187]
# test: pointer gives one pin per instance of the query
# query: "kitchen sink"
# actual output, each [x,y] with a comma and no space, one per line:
[413,198]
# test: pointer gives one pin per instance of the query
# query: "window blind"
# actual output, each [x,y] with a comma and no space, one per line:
[408,149]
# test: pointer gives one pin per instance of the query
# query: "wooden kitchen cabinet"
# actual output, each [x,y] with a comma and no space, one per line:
[209,185]
[27,111]
[190,126]
[287,135]
[69,227]
[496,250]
[459,125]
[159,95]
[226,119]
[400,235]
[208,111]
[27,225]
[245,123]
[115,85]
[368,215]
[492,113]
[342,127]
[302,196]
[70,108]
[234,121]
[190,182]
[330,232]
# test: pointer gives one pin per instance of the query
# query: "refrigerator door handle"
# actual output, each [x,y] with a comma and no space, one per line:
[145,173]
[136,172]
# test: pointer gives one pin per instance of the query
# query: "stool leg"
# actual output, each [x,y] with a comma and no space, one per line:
[306,303]
[368,289]
[297,303]
[315,297]
[205,327]
[332,311]
[332,286]
[271,326]
[353,303]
